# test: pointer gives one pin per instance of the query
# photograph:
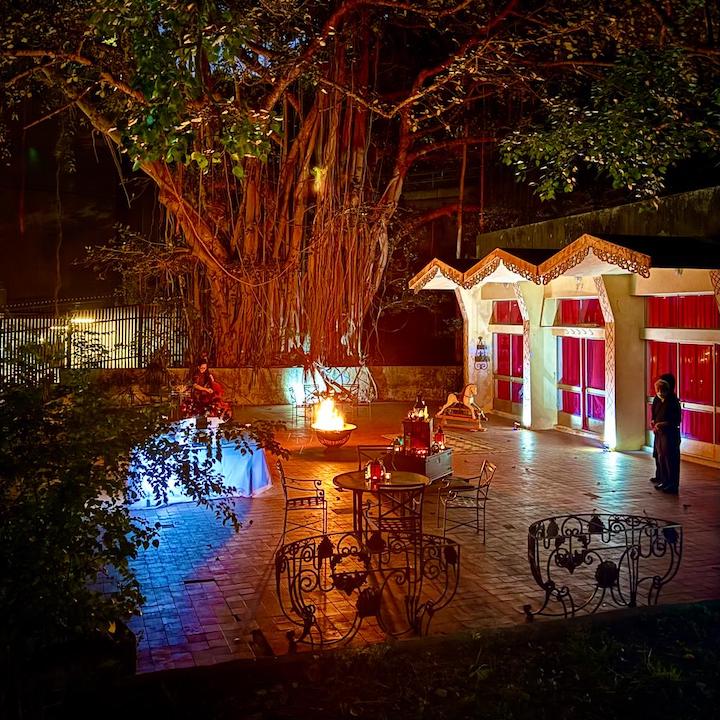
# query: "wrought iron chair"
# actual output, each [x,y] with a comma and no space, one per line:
[366,453]
[299,406]
[395,518]
[312,398]
[465,497]
[302,495]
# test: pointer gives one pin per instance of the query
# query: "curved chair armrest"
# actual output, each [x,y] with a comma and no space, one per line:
[303,484]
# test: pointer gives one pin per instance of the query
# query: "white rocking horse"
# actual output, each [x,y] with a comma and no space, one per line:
[462,409]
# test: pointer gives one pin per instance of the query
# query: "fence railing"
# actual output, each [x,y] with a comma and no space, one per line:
[130,336]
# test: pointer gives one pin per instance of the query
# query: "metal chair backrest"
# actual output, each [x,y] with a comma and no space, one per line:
[399,509]
[283,477]
[487,473]
[302,495]
[366,453]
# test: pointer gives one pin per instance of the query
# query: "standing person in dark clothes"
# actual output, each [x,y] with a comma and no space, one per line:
[666,426]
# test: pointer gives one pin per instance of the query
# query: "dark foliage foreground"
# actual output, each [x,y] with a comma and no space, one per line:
[659,663]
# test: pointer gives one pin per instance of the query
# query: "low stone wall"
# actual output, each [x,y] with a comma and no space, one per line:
[271,386]
[403,382]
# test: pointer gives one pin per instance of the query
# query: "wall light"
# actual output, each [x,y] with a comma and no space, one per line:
[482,358]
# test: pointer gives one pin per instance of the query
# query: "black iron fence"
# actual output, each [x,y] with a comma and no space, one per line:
[82,336]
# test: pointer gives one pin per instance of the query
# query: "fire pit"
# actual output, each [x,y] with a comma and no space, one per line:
[330,427]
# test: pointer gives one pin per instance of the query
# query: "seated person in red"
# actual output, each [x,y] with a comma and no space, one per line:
[205,395]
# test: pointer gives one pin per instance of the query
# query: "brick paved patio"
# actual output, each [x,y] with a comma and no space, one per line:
[211,594]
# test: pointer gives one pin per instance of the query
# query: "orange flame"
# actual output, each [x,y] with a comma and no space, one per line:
[327,416]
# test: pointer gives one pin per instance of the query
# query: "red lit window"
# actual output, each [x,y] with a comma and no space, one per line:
[508,363]
[579,312]
[662,358]
[570,402]
[502,354]
[595,368]
[503,390]
[696,374]
[596,407]
[570,359]
[516,343]
[683,311]
[697,426]
[517,392]
[506,312]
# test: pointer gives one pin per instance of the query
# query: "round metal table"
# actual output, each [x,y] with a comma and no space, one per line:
[355,482]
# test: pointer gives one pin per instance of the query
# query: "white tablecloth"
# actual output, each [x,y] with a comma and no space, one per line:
[247,473]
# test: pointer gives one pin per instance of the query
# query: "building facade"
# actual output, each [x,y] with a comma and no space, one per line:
[574,338]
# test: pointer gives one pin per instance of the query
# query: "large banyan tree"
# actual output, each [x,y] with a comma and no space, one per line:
[279,133]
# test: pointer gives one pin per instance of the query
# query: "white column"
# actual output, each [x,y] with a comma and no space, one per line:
[539,360]
[476,314]
[624,314]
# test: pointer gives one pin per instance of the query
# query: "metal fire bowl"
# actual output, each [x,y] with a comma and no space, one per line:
[334,438]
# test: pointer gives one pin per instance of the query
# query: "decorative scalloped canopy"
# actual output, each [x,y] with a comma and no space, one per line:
[588,256]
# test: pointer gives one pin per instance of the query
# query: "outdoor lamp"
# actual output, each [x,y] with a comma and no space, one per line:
[482,359]
[375,471]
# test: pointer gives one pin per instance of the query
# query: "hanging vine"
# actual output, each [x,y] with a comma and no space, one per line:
[279,134]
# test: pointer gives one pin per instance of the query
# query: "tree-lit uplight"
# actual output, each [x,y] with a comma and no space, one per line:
[319,174]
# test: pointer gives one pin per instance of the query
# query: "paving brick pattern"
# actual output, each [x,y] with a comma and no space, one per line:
[211,593]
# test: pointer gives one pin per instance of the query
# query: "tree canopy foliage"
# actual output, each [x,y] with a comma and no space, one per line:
[280,133]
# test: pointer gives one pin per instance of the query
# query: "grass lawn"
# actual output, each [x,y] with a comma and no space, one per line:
[656,663]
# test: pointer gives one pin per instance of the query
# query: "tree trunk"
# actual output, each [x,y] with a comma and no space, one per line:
[292,262]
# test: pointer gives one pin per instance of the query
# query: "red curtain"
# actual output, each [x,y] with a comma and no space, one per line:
[500,311]
[570,402]
[580,312]
[595,365]
[516,355]
[503,390]
[717,394]
[662,358]
[506,312]
[661,312]
[698,311]
[569,361]
[517,392]
[595,407]
[502,354]
[696,374]
[568,312]
[683,311]
[591,312]
[697,425]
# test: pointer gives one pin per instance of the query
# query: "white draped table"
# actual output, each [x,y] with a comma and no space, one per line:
[246,472]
